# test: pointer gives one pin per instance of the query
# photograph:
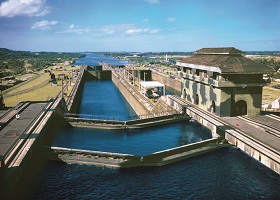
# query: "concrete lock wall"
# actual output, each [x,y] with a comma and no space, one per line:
[30,148]
[178,153]
[90,157]
[76,93]
[101,75]
[165,79]
[130,98]
[260,153]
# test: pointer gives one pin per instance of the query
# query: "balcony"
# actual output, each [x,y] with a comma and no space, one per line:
[220,83]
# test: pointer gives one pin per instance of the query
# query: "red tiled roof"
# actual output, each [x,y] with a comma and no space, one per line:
[223,50]
[227,62]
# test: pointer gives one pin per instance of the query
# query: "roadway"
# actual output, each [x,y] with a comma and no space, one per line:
[256,130]
[14,129]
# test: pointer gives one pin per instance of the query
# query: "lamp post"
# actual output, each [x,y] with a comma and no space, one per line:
[61,87]
[164,87]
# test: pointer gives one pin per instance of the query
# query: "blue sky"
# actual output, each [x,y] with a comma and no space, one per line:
[139,25]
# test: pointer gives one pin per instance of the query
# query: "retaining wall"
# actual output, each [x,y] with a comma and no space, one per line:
[260,152]
[183,152]
[90,157]
[137,106]
[128,160]
[102,75]
[167,80]
[37,131]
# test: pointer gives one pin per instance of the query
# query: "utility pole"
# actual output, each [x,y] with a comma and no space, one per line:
[61,87]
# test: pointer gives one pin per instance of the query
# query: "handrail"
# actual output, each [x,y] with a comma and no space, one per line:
[74,89]
[119,118]
[31,126]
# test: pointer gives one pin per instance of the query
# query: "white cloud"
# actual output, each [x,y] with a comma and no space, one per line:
[44,25]
[152,1]
[11,8]
[146,20]
[126,29]
[139,31]
[170,19]
[76,29]
[118,28]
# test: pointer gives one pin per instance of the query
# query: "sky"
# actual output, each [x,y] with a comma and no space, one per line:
[139,25]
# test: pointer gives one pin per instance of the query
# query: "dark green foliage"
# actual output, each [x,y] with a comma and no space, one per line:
[13,62]
[270,62]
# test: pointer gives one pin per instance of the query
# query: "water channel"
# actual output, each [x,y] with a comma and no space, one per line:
[224,174]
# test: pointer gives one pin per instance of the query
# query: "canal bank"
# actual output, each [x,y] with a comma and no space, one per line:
[25,135]
[211,176]
[141,106]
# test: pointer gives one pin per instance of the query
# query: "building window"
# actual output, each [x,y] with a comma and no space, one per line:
[184,95]
[215,76]
[196,99]
[213,107]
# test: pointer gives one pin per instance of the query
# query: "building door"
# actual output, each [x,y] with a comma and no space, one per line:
[240,108]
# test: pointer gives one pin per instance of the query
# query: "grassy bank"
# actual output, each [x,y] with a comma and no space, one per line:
[270,93]
[38,89]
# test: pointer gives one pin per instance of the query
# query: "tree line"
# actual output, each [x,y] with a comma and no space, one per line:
[20,62]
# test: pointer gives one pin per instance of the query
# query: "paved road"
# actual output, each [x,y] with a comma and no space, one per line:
[256,132]
[13,131]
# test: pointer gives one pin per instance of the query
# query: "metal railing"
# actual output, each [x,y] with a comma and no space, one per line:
[118,118]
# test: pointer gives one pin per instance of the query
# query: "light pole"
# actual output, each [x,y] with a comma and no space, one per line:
[61,87]
[164,87]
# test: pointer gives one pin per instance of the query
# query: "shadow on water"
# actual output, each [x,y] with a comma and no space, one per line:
[135,141]
[223,174]
[226,173]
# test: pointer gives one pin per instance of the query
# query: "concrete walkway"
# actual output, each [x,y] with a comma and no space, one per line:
[255,132]
[15,129]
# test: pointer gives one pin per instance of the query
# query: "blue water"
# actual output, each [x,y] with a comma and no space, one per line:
[138,141]
[93,59]
[227,173]
[224,174]
[103,99]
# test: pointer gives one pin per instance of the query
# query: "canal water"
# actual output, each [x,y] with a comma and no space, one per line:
[101,99]
[93,59]
[227,173]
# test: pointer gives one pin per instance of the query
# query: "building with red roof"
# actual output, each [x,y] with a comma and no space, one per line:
[223,81]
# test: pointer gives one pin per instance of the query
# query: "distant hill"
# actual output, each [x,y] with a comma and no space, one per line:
[20,62]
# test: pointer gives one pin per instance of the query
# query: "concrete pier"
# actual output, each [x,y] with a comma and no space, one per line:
[128,160]
[151,120]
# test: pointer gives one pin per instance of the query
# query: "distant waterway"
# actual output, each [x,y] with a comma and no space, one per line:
[93,59]
[227,173]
